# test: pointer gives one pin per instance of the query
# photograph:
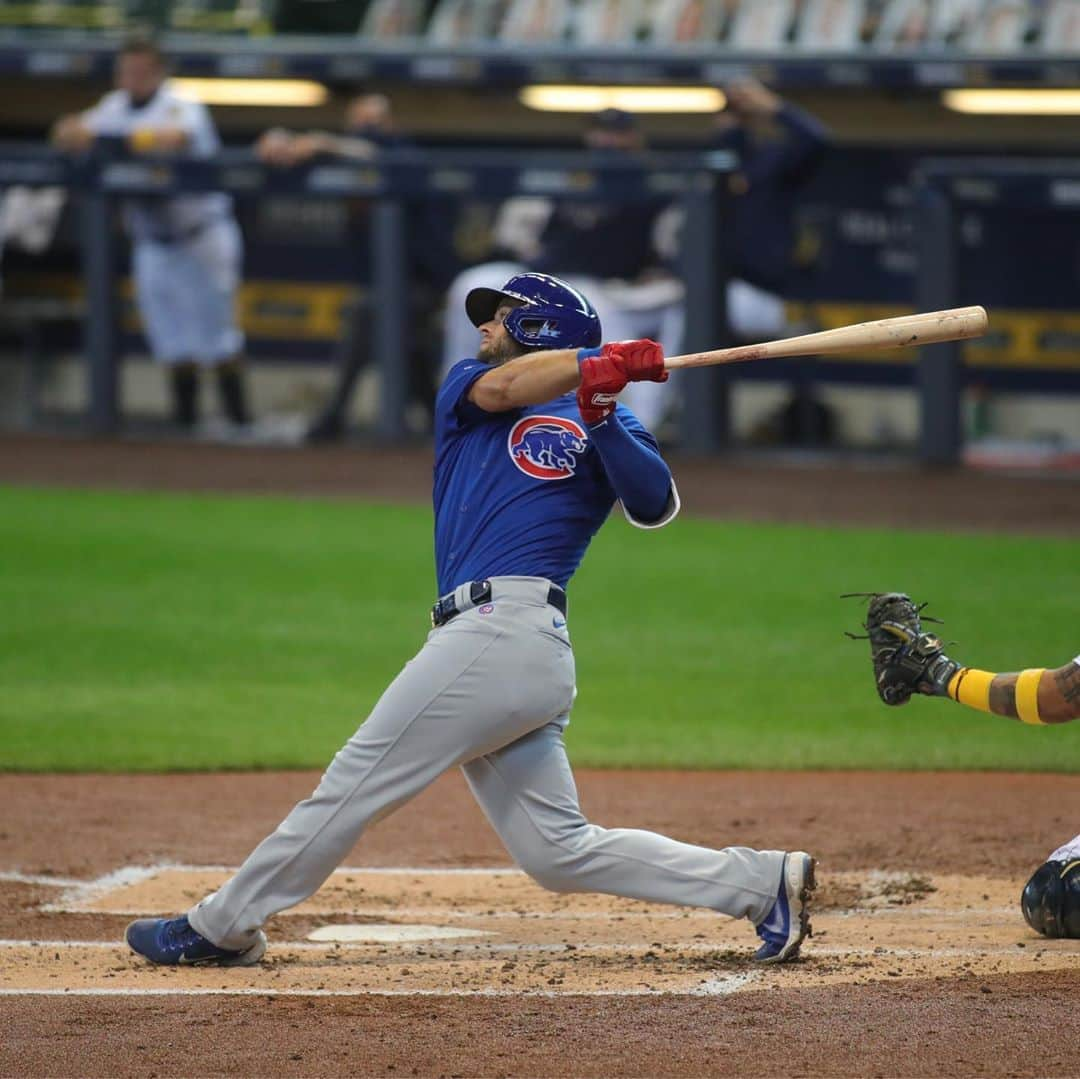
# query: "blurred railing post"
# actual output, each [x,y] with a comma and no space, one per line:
[100,337]
[390,314]
[705,391]
[939,377]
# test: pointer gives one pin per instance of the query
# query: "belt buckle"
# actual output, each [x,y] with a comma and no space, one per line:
[442,611]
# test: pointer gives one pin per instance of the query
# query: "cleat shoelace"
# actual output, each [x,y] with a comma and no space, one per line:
[179,935]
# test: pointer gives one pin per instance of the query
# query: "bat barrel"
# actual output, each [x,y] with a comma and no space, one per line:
[904,331]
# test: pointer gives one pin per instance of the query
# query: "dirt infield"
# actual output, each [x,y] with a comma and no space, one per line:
[458,965]
[921,963]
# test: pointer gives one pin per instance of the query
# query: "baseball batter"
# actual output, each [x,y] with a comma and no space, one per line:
[187,249]
[531,453]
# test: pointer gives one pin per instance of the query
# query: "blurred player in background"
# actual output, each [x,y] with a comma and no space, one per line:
[186,249]
[368,129]
[613,252]
[778,146]
[368,126]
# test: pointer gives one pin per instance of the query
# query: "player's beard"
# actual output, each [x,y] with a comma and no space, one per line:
[499,352]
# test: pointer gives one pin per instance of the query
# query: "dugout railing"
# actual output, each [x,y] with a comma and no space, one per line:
[944,190]
[98,180]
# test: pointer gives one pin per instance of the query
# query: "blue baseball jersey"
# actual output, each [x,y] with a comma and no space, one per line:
[518,493]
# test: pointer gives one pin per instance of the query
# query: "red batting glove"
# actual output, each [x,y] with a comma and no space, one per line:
[643,361]
[602,380]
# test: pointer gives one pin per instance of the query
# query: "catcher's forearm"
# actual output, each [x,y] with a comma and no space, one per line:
[1034,696]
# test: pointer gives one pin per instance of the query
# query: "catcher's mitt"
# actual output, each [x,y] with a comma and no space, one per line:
[906,659]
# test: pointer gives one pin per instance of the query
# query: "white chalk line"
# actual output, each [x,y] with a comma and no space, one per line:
[403,914]
[913,911]
[37,878]
[86,891]
[406,914]
[79,893]
[720,989]
[454,948]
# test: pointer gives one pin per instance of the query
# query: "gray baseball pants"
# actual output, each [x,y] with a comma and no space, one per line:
[491,691]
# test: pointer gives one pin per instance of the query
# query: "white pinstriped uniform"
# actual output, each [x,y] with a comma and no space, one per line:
[187,249]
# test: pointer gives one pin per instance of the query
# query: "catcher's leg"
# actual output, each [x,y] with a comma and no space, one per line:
[527,791]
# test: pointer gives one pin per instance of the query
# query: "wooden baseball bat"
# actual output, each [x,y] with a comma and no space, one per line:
[905,331]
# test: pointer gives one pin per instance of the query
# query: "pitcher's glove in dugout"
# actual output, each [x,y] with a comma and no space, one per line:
[906,659]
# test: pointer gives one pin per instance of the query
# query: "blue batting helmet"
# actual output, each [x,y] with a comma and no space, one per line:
[551,315]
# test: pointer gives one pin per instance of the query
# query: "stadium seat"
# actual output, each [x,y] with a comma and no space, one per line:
[603,22]
[762,25]
[1003,27]
[394,20]
[456,22]
[537,21]
[902,24]
[221,16]
[831,25]
[317,16]
[953,21]
[1060,31]
[64,14]
[686,22]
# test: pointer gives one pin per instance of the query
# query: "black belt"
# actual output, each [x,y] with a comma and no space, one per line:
[480,592]
[192,232]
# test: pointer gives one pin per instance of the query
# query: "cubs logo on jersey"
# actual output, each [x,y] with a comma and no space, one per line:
[547,447]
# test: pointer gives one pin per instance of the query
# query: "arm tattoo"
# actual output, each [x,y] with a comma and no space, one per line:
[1068,682]
[1003,695]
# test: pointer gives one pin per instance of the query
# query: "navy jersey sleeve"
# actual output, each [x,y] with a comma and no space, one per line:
[454,412]
[621,467]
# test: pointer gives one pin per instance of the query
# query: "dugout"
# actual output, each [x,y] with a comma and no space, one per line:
[859,218]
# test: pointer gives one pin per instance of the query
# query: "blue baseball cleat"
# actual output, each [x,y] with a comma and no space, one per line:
[172,942]
[788,923]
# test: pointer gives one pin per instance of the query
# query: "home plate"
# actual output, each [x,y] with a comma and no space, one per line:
[376,933]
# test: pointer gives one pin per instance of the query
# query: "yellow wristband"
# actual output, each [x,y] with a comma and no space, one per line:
[971,687]
[1027,696]
[142,139]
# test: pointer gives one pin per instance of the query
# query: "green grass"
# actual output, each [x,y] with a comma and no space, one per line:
[159,632]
